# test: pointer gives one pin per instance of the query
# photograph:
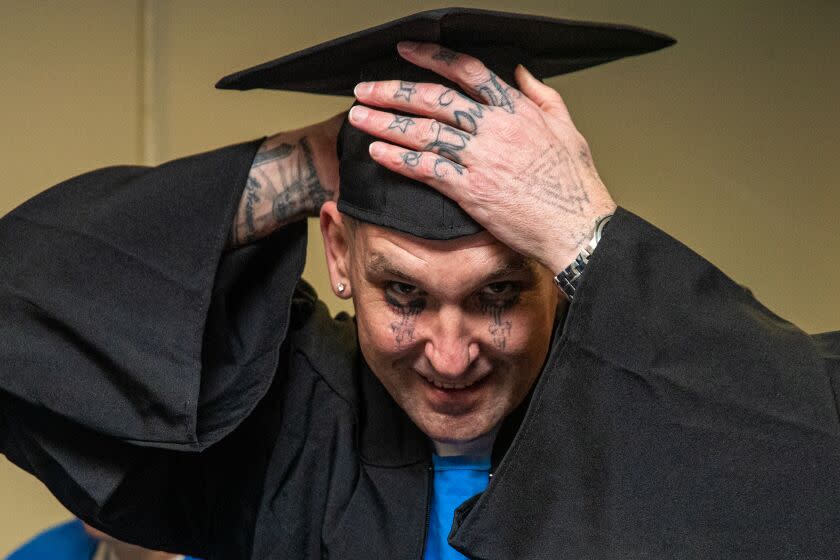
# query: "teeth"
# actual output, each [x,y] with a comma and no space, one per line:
[440,385]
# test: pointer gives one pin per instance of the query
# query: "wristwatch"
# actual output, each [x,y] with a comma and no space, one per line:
[569,278]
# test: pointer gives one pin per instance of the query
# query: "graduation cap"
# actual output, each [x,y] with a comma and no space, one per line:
[371,193]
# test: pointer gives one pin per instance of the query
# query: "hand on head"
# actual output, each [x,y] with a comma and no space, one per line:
[511,158]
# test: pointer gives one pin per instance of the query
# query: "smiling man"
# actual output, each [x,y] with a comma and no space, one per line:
[532,372]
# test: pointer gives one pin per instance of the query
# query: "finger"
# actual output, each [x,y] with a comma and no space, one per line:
[413,132]
[445,175]
[439,102]
[545,97]
[467,71]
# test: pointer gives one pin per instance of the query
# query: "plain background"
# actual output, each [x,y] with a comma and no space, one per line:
[728,140]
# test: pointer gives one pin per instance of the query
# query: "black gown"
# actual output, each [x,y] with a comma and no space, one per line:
[192,399]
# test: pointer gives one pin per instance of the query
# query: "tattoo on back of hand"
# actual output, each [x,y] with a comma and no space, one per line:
[553,178]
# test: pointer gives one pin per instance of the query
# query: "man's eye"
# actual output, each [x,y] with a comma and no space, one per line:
[403,289]
[499,289]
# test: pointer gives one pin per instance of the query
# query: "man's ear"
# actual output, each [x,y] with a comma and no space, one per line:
[337,243]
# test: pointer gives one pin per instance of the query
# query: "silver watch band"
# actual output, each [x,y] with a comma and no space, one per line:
[568,279]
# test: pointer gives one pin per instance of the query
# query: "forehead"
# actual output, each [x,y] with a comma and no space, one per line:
[472,258]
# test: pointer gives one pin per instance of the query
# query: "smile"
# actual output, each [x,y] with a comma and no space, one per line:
[450,386]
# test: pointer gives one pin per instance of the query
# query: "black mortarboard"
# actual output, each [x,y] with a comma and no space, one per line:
[369,192]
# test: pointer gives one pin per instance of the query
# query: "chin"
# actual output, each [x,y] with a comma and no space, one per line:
[457,430]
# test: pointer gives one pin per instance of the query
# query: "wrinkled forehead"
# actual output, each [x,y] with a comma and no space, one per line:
[380,251]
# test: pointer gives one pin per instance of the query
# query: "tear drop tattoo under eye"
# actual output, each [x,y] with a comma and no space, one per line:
[403,327]
[499,328]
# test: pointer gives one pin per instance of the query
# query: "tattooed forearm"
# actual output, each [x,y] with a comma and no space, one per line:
[401,122]
[268,155]
[446,55]
[282,187]
[496,94]
[252,197]
[405,90]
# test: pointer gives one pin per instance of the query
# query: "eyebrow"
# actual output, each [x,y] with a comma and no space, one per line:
[380,264]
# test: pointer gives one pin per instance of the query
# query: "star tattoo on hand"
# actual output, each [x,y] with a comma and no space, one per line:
[405,90]
[401,122]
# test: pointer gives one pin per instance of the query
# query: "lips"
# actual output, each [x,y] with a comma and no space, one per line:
[450,386]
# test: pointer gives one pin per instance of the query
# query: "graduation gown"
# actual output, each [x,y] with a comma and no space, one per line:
[193,399]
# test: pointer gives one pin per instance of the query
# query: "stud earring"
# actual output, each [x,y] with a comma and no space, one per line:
[341,287]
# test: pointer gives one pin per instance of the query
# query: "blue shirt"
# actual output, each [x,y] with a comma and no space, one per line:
[68,541]
[456,480]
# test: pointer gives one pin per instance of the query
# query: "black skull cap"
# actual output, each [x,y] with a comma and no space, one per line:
[369,192]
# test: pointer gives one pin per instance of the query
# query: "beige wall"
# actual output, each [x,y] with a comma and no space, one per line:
[728,140]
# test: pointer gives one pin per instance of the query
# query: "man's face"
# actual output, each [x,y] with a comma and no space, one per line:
[457,331]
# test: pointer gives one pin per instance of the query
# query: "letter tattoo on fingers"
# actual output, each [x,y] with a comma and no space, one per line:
[448,142]
[411,159]
[405,90]
[465,120]
[496,93]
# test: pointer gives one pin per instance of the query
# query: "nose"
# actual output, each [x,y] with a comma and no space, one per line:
[449,347]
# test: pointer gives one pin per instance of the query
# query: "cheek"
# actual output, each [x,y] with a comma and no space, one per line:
[385,335]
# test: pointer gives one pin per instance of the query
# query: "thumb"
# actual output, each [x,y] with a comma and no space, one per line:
[544,96]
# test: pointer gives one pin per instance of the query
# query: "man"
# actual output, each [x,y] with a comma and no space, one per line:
[663,413]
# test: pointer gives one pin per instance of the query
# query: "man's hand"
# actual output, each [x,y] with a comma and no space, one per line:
[293,174]
[510,158]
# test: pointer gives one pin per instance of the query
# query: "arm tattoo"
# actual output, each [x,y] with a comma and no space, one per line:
[268,155]
[446,55]
[495,93]
[401,122]
[405,90]
[252,197]
[282,187]
[300,189]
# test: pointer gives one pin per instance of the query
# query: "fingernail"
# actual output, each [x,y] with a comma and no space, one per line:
[363,88]
[406,46]
[375,149]
[358,113]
